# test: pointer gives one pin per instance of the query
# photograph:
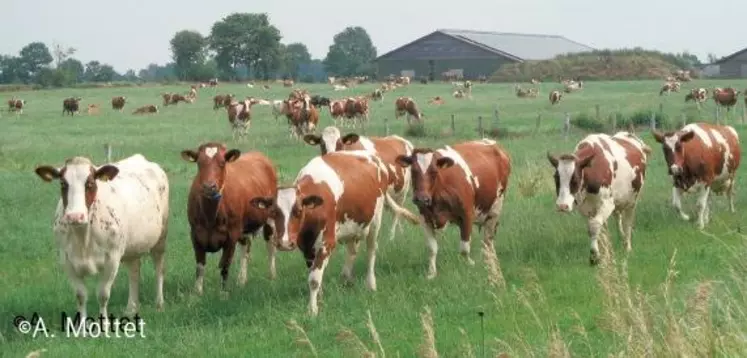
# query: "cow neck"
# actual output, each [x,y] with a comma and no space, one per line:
[210,207]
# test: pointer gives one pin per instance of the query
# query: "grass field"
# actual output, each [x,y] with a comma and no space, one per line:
[552,303]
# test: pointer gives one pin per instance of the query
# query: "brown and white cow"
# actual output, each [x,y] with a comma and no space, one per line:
[555,97]
[356,110]
[725,97]
[222,100]
[118,103]
[240,115]
[669,87]
[71,105]
[213,82]
[701,157]
[176,98]
[386,148]
[336,198]
[407,106]
[337,111]
[94,109]
[166,98]
[464,184]
[303,117]
[604,175]
[218,206]
[16,105]
[151,108]
[699,95]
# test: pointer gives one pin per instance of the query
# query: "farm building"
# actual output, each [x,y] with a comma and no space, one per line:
[734,65]
[470,54]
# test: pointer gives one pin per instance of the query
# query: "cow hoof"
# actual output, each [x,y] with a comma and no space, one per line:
[593,259]
[159,307]
[430,276]
[223,295]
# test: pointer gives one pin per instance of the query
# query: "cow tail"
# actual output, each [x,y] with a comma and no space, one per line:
[399,210]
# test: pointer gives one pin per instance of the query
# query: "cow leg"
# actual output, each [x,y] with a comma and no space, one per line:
[372,246]
[246,247]
[677,203]
[465,233]
[730,189]
[430,240]
[81,293]
[703,207]
[225,263]
[271,250]
[200,271]
[159,260]
[108,274]
[316,275]
[596,225]
[351,249]
[133,267]
[625,224]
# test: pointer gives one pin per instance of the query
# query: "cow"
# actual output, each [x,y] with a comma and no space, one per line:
[339,87]
[222,100]
[377,95]
[218,208]
[458,94]
[337,111]
[176,98]
[526,93]
[698,95]
[555,97]
[701,157]
[16,105]
[192,93]
[93,109]
[288,83]
[151,108]
[573,85]
[239,116]
[436,101]
[604,175]
[407,106]
[725,97]
[302,116]
[356,109]
[118,103]
[213,82]
[279,108]
[669,87]
[336,198]
[319,101]
[166,98]
[71,105]
[107,215]
[464,184]
[386,148]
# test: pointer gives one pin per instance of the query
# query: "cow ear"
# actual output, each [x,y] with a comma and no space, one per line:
[584,161]
[232,155]
[444,162]
[404,161]
[659,136]
[106,173]
[189,155]
[350,138]
[687,136]
[312,139]
[47,173]
[553,159]
[312,201]
[262,203]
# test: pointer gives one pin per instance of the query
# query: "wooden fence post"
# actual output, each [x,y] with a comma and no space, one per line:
[453,125]
[108,152]
[479,127]
[567,125]
[653,120]
[386,125]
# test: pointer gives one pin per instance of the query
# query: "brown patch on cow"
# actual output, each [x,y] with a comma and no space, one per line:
[118,102]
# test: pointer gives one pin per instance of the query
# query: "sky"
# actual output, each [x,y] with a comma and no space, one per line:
[130,34]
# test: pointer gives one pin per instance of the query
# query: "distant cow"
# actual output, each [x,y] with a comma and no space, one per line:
[458,94]
[16,105]
[526,93]
[288,83]
[239,116]
[213,82]
[669,87]
[464,184]
[377,95]
[176,98]
[386,148]
[166,98]
[222,100]
[699,95]
[219,210]
[725,97]
[337,198]
[303,117]
[151,108]
[603,175]
[555,97]
[71,105]
[118,103]
[356,109]
[93,109]
[319,101]
[407,106]
[702,157]
[436,101]
[107,215]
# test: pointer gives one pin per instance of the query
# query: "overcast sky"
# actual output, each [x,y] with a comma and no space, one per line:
[133,33]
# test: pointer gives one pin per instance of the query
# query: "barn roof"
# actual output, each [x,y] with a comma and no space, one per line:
[520,47]
[727,58]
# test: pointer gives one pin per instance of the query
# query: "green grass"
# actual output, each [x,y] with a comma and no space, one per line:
[550,288]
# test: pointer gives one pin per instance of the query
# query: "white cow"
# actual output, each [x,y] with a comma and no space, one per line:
[106,215]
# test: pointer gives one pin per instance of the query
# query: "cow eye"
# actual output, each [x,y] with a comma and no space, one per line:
[89,185]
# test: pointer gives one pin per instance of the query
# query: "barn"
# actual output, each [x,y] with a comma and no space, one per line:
[470,54]
[732,66]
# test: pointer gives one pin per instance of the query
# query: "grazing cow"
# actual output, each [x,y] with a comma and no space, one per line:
[213,82]
[151,108]
[279,108]
[16,105]
[603,176]
[108,215]
[725,97]
[336,198]
[699,95]
[436,101]
[669,87]
[240,115]
[407,106]
[176,98]
[222,100]
[356,109]
[701,157]
[377,95]
[572,85]
[464,184]
[93,109]
[218,206]
[303,118]
[71,105]
[458,94]
[166,98]
[386,148]
[555,97]
[288,83]
[118,103]
[526,93]
[319,101]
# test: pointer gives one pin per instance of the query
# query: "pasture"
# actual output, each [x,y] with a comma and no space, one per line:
[552,299]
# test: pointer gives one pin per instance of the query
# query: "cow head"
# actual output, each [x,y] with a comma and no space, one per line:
[426,166]
[568,177]
[78,186]
[330,141]
[674,151]
[211,159]
[290,214]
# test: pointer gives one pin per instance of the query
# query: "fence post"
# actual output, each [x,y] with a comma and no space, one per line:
[567,125]
[537,125]
[684,120]
[661,109]
[718,112]
[496,115]
[653,120]
[744,109]
[108,152]
[453,125]
[479,127]
[386,125]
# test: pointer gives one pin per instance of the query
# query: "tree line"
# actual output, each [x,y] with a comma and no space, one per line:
[241,46]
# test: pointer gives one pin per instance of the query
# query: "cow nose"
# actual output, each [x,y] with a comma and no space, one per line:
[210,187]
[562,207]
[75,218]
[421,200]
[675,169]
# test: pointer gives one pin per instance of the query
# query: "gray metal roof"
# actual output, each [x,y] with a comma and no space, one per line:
[523,46]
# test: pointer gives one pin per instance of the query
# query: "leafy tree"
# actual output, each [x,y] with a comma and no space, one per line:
[130,76]
[296,54]
[712,58]
[188,51]
[62,53]
[97,72]
[11,69]
[247,39]
[351,53]
[73,68]
[34,57]
[155,72]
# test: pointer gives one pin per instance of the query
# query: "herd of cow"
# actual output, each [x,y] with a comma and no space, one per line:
[118,212]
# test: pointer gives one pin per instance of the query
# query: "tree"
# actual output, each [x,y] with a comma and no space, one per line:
[188,51]
[34,57]
[73,68]
[296,54]
[97,72]
[712,58]
[11,69]
[62,53]
[351,53]
[247,39]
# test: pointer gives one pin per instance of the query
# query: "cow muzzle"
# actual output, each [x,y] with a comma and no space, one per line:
[287,246]
[675,169]
[211,190]
[421,200]
[76,218]
[563,207]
